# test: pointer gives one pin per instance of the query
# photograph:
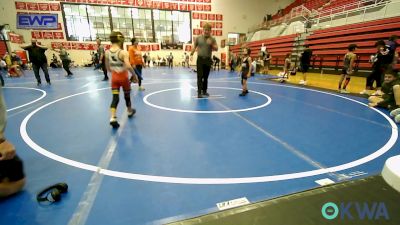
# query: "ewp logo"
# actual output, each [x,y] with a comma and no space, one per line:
[374,211]
[37,21]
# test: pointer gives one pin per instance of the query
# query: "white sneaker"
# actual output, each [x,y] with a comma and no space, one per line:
[344,91]
[377,93]
[395,112]
[301,82]
[364,92]
[397,119]
[305,83]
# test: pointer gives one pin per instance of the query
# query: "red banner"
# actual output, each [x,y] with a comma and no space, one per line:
[183,7]
[36,34]
[44,7]
[191,7]
[197,31]
[211,16]
[32,6]
[47,35]
[218,25]
[55,44]
[219,17]
[157,5]
[203,16]
[218,32]
[140,3]
[66,45]
[15,38]
[166,5]
[21,5]
[75,46]
[175,6]
[199,0]
[188,48]
[55,7]
[58,35]
[155,47]
[207,1]
[199,7]
[195,15]
[207,8]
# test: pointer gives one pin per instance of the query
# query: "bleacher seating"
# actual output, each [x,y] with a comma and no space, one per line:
[278,47]
[315,4]
[330,45]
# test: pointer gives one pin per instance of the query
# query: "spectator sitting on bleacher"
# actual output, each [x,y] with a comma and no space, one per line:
[15,68]
[391,95]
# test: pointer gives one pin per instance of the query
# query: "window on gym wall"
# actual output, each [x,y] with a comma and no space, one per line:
[87,22]
[143,26]
[171,26]
[99,22]
[76,22]
[122,21]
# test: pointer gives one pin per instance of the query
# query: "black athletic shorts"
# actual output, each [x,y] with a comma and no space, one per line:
[12,169]
[304,68]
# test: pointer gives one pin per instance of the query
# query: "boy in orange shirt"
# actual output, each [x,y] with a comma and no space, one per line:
[136,60]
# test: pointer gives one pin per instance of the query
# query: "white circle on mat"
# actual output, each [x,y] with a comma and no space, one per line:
[31,102]
[145,99]
[189,180]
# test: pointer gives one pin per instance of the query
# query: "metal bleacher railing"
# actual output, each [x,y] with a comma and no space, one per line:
[362,8]
[296,12]
[316,16]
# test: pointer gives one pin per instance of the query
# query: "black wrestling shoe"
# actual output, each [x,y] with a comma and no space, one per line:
[205,94]
[114,123]
[131,113]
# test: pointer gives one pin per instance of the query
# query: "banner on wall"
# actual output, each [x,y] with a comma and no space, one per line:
[181,5]
[15,38]
[37,21]
[172,46]
[33,6]
[188,48]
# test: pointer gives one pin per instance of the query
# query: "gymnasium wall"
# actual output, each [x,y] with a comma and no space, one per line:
[237,16]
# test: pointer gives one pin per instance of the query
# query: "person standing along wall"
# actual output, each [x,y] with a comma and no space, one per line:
[102,59]
[136,61]
[64,59]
